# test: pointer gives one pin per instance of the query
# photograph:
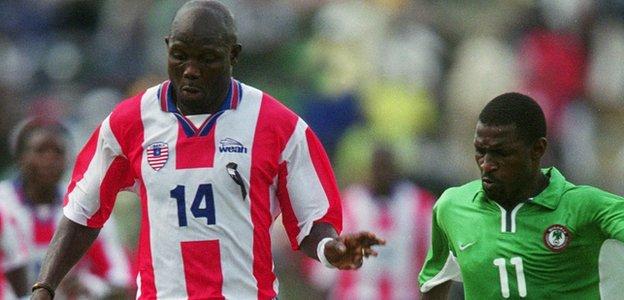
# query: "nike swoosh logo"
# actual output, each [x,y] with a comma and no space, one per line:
[463,247]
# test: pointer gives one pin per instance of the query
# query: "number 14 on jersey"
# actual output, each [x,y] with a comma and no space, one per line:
[202,206]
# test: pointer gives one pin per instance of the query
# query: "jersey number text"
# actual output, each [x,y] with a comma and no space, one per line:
[504,281]
[202,207]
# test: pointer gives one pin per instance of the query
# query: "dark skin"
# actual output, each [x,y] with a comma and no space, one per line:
[510,167]
[42,164]
[202,50]
[384,171]
[510,172]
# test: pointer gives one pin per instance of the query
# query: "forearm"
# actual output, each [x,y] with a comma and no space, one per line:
[70,242]
[318,232]
[439,292]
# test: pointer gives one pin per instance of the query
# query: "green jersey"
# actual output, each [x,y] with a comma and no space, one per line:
[550,246]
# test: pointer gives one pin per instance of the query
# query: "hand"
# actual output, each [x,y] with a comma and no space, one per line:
[40,294]
[347,252]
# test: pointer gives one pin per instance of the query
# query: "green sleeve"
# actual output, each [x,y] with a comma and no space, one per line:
[609,215]
[440,266]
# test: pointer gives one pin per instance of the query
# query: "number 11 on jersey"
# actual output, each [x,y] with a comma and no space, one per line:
[202,207]
[504,280]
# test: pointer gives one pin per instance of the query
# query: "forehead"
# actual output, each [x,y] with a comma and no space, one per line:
[199,27]
[41,136]
[495,135]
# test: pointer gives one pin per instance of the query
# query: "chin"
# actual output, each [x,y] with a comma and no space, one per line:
[492,195]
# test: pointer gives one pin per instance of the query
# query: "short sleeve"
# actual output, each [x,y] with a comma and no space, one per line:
[609,215]
[440,264]
[306,189]
[101,171]
[14,251]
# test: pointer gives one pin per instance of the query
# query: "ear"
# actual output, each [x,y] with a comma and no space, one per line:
[236,50]
[539,149]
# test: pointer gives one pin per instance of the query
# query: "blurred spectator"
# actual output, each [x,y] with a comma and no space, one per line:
[33,200]
[13,266]
[400,212]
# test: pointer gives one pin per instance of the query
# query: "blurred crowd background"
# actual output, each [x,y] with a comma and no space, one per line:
[412,74]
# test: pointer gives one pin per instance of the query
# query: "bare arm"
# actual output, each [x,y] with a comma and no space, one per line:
[438,292]
[70,242]
[345,252]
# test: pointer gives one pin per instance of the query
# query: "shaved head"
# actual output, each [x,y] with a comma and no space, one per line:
[206,14]
[202,49]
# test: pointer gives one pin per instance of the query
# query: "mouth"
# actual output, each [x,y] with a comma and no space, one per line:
[487,182]
[190,90]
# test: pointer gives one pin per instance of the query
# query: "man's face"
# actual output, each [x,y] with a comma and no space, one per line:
[43,159]
[384,170]
[505,161]
[200,61]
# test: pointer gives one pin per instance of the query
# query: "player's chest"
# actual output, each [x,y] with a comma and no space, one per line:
[528,234]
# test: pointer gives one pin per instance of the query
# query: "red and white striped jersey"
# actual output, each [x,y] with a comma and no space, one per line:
[209,194]
[105,264]
[13,250]
[403,220]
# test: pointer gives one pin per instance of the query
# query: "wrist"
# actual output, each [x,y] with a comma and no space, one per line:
[44,287]
[320,252]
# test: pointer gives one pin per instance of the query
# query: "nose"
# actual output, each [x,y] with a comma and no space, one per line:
[487,164]
[191,70]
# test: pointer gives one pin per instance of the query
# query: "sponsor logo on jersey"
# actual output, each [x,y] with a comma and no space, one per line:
[465,246]
[557,237]
[231,146]
[157,155]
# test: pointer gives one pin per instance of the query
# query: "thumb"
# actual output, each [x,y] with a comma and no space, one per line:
[336,248]
[341,248]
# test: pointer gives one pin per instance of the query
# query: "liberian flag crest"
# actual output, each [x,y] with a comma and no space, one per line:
[157,155]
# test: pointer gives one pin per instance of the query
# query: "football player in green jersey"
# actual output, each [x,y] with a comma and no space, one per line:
[522,232]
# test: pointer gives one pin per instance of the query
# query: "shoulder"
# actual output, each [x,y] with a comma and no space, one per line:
[273,109]
[7,190]
[275,119]
[589,196]
[126,118]
[8,196]
[458,195]
[127,110]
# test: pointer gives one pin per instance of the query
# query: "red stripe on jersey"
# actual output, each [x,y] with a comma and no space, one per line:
[345,285]
[146,267]
[44,230]
[275,125]
[99,262]
[235,97]
[117,177]
[196,151]
[164,89]
[127,126]
[328,181]
[291,224]
[202,269]
[82,162]
[385,287]
[424,208]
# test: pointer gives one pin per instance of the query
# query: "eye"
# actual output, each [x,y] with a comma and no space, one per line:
[177,55]
[209,59]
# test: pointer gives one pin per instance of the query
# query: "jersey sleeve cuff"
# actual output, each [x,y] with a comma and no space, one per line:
[76,217]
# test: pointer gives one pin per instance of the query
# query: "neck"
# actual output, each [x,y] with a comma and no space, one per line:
[40,194]
[209,105]
[535,186]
